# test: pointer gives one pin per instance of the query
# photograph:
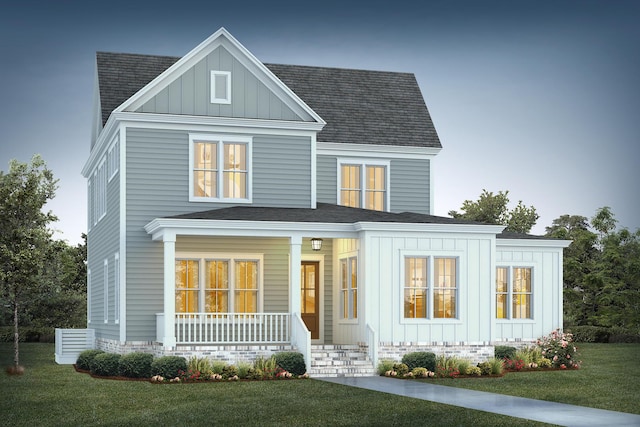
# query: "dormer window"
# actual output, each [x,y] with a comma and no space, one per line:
[220,168]
[220,87]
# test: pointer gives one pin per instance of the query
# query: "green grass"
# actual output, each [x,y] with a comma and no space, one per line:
[609,379]
[55,395]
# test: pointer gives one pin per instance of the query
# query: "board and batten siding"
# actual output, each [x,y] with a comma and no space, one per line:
[190,93]
[384,287]
[546,264]
[103,243]
[408,180]
[157,186]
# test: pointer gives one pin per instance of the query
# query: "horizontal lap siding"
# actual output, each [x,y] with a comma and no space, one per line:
[326,186]
[410,185]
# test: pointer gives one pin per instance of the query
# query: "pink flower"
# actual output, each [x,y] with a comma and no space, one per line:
[563,366]
[555,358]
[568,356]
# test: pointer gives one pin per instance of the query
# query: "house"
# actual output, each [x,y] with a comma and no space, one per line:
[238,208]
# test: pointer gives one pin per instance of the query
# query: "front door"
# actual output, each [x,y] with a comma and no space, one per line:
[310,303]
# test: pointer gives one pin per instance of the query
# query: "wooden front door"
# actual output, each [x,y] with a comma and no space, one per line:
[310,294]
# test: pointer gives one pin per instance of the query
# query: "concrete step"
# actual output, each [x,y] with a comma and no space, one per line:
[336,360]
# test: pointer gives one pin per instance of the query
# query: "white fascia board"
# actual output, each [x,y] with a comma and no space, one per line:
[220,38]
[189,122]
[205,227]
[104,139]
[374,150]
[532,243]
[430,228]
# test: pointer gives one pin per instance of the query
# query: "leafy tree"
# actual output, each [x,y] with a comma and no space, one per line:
[493,209]
[24,233]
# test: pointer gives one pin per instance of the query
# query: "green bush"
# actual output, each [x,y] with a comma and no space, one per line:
[496,366]
[168,366]
[86,357]
[618,334]
[504,352]
[420,359]
[474,370]
[588,333]
[401,369]
[106,364]
[384,365]
[28,334]
[291,361]
[485,368]
[229,371]
[136,365]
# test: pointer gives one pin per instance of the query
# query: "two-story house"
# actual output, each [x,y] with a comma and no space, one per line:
[237,208]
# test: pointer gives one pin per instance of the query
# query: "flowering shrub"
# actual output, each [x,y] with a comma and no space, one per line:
[515,364]
[559,348]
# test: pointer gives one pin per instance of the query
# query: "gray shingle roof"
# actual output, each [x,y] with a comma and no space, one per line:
[324,213]
[359,106]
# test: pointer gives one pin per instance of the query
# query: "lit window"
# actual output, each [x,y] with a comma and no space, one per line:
[445,288]
[363,185]
[220,169]
[513,284]
[349,287]
[415,287]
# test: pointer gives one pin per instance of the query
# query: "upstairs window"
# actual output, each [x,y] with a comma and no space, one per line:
[220,168]
[220,87]
[363,184]
[513,293]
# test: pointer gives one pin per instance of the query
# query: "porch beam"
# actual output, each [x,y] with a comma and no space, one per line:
[169,241]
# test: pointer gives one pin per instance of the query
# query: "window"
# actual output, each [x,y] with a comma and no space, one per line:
[218,285]
[116,288]
[99,192]
[430,286]
[349,287]
[220,87]
[363,185]
[513,284]
[445,288]
[105,278]
[220,168]
[113,159]
[415,287]
[89,300]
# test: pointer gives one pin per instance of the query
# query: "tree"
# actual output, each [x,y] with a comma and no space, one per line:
[24,234]
[493,209]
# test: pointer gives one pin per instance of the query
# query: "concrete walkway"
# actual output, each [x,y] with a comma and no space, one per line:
[537,410]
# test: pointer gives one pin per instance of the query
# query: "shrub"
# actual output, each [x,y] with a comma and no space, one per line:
[463,366]
[420,359]
[485,368]
[168,366]
[420,372]
[136,365]
[495,365]
[560,349]
[401,369]
[229,371]
[217,366]
[199,364]
[106,364]
[84,359]
[384,365]
[447,367]
[243,370]
[544,363]
[474,370]
[619,334]
[504,352]
[588,333]
[291,361]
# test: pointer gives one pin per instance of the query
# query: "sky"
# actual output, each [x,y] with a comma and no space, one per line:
[540,98]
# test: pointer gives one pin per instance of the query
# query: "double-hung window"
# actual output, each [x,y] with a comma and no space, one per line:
[430,287]
[514,284]
[363,184]
[218,284]
[220,168]
[349,288]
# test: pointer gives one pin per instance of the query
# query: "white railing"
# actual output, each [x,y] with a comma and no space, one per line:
[232,328]
[372,343]
[301,338]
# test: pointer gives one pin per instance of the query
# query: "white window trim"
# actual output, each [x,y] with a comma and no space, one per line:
[431,256]
[349,320]
[363,163]
[116,288]
[113,159]
[105,279]
[231,258]
[510,319]
[89,203]
[220,140]
[89,296]
[215,99]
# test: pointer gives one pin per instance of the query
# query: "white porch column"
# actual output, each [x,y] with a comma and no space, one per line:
[169,339]
[295,261]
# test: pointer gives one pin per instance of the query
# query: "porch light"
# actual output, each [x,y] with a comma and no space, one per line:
[316,244]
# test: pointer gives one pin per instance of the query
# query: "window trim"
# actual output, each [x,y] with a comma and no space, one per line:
[510,293]
[352,317]
[231,258]
[105,279]
[116,288]
[215,99]
[221,141]
[363,163]
[113,159]
[431,256]
[89,299]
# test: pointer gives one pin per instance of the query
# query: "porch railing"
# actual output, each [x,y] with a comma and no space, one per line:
[372,342]
[301,338]
[232,328]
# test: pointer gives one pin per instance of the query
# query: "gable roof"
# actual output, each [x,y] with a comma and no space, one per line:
[359,106]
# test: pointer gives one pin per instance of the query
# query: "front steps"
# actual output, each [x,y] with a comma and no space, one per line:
[340,361]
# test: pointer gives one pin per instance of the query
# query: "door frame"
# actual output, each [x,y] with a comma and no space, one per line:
[319,258]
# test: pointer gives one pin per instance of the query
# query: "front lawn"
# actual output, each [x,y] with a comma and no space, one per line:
[608,379]
[55,395]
